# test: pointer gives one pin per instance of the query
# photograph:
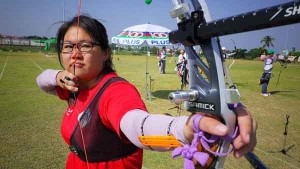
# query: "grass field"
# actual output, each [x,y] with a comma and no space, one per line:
[30,119]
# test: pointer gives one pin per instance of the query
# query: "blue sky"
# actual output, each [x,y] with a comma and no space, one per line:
[40,17]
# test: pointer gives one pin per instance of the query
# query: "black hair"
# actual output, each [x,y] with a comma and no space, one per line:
[97,32]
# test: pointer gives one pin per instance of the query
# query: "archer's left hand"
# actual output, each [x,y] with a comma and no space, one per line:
[243,143]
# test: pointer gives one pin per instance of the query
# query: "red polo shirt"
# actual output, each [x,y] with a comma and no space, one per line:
[115,101]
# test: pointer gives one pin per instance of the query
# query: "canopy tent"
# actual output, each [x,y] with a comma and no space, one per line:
[144,34]
[149,34]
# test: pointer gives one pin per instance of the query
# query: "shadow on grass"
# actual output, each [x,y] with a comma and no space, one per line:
[278,91]
[170,73]
[238,84]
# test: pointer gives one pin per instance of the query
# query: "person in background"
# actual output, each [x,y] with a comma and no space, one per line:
[182,67]
[225,53]
[105,115]
[182,57]
[269,58]
[162,61]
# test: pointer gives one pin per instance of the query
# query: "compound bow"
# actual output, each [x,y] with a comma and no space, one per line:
[208,91]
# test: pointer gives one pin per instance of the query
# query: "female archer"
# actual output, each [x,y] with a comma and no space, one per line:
[106,116]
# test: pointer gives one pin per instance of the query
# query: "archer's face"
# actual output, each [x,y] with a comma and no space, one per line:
[87,64]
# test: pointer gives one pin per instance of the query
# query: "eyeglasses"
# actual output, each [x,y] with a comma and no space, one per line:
[67,47]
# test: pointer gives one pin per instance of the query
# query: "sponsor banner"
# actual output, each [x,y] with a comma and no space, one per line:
[130,41]
[158,42]
[143,35]
[114,40]
[133,41]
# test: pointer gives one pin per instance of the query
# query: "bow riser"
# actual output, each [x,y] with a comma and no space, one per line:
[212,89]
[207,90]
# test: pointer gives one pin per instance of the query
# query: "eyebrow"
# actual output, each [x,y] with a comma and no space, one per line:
[77,42]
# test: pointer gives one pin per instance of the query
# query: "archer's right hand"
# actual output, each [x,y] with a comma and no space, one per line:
[67,81]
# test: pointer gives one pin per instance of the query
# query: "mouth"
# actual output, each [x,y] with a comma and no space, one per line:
[77,65]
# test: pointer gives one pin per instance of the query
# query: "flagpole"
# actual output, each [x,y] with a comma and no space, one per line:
[148,92]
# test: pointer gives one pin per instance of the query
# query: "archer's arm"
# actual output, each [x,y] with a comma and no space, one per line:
[262,57]
[137,122]
[182,128]
[47,81]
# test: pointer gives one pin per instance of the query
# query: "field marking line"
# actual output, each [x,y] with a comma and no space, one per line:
[231,64]
[3,68]
[37,65]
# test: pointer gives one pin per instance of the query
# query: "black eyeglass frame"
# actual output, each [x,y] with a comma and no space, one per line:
[78,46]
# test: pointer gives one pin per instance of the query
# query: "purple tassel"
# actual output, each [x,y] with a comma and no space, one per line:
[177,152]
[189,152]
[201,157]
[188,164]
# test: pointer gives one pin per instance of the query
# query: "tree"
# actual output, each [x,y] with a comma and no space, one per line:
[254,53]
[240,53]
[267,41]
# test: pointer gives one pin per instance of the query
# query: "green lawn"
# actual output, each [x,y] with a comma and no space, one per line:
[30,119]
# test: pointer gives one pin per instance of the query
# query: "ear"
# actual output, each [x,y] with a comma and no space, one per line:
[105,54]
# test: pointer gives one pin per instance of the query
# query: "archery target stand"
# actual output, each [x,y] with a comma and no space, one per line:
[285,133]
[147,86]
[178,106]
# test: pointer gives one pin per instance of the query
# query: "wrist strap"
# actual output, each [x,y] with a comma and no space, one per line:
[190,152]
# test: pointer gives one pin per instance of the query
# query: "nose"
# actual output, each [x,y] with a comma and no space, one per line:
[76,53]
